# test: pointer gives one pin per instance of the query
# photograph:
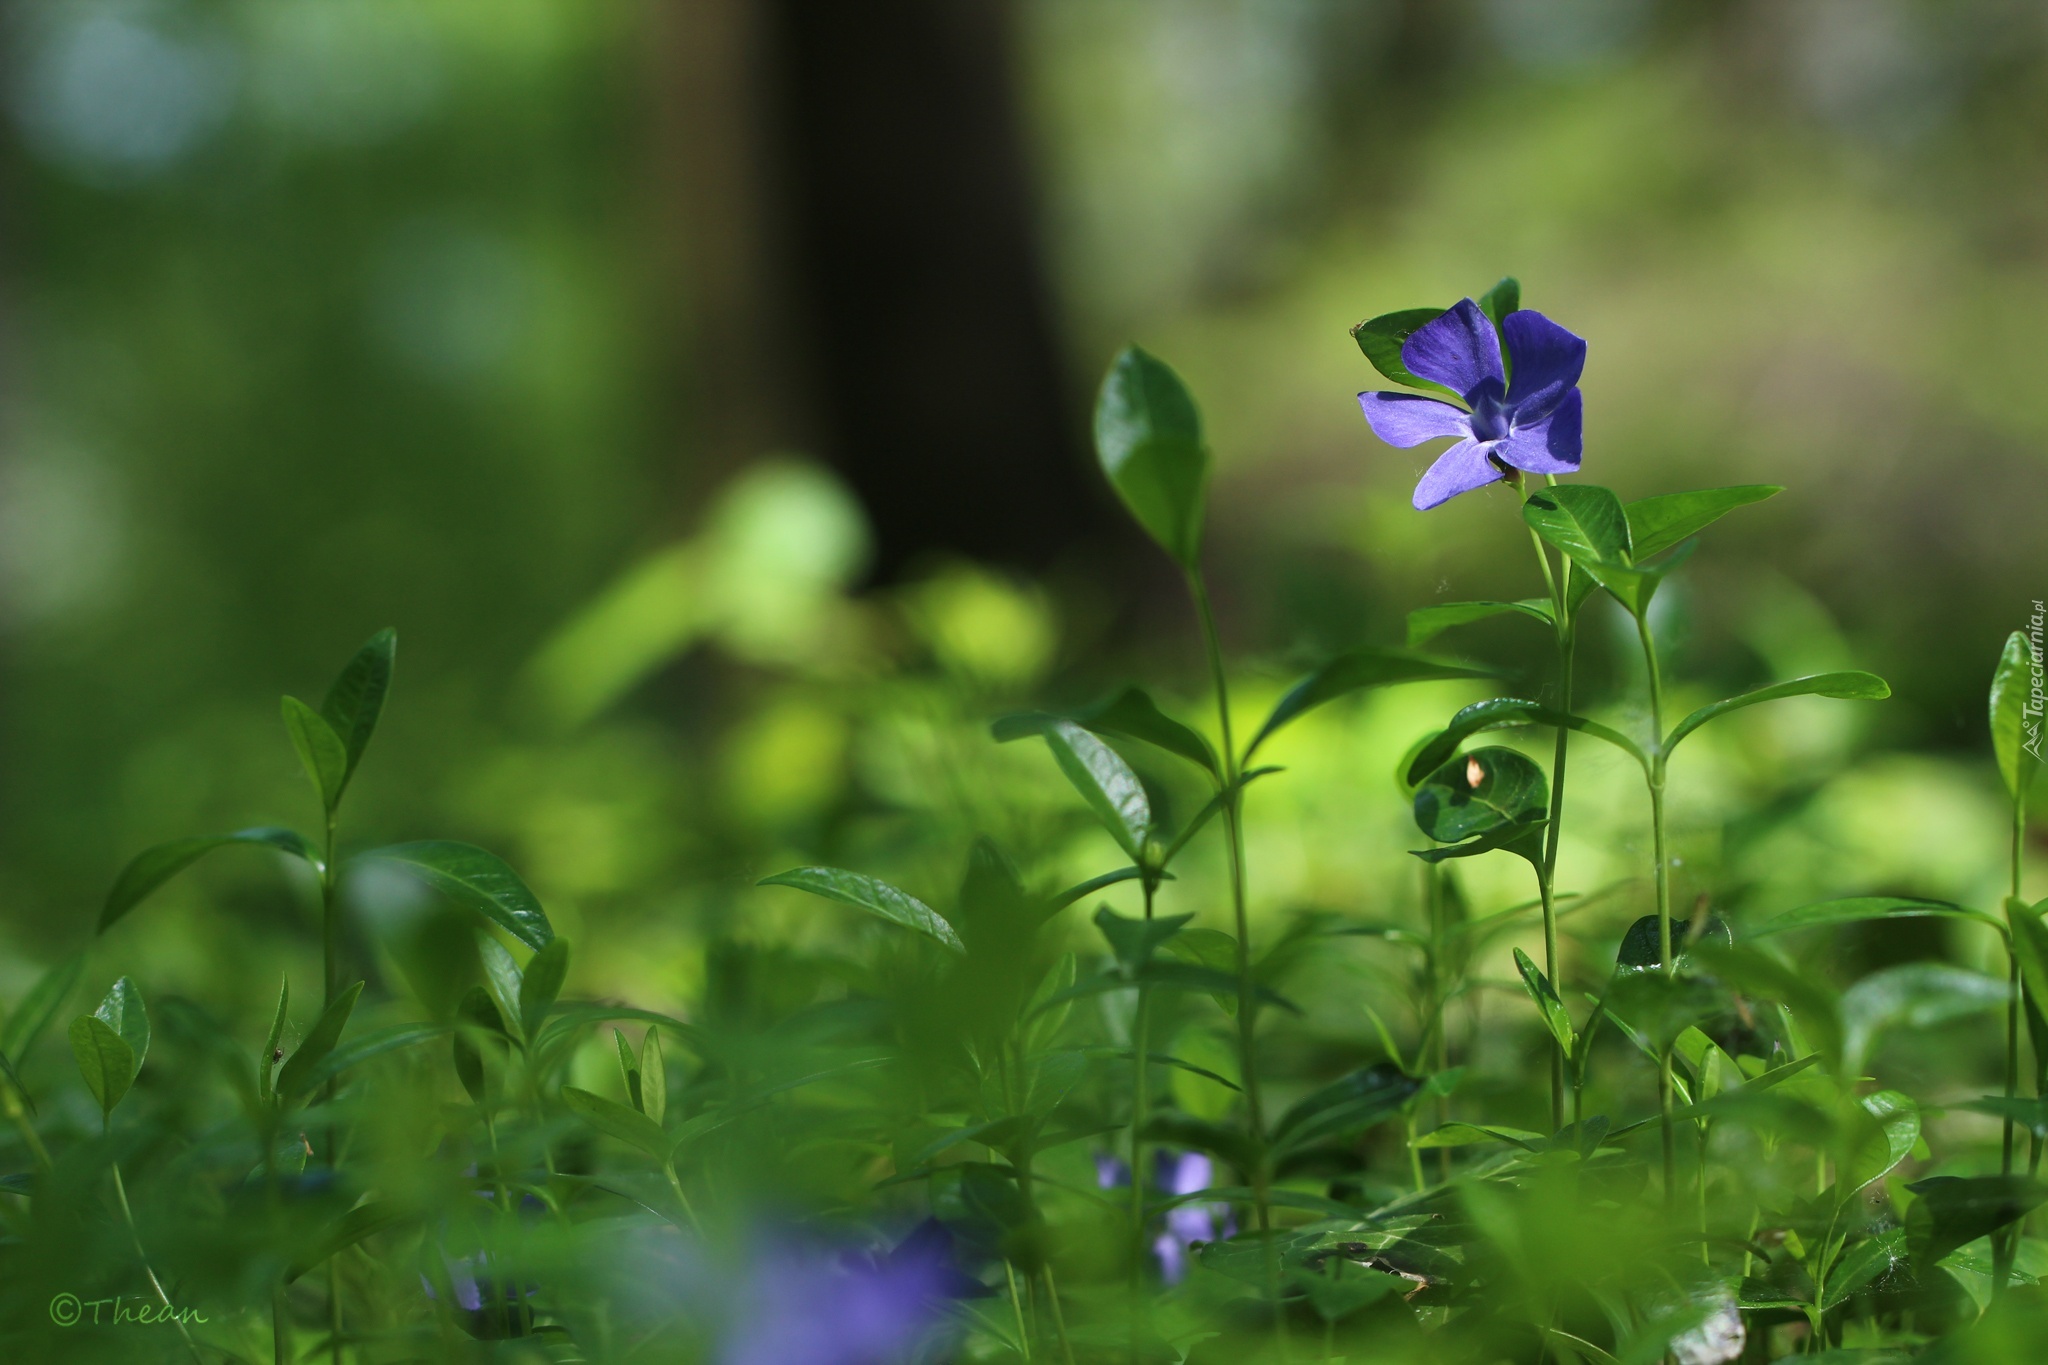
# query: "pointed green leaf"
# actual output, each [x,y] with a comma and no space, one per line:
[1130,714]
[1656,524]
[1466,1134]
[1556,1017]
[653,1078]
[122,1012]
[356,699]
[1133,941]
[504,982]
[540,984]
[873,895]
[2016,706]
[1352,1104]
[296,1078]
[1382,338]
[613,1119]
[1083,890]
[266,1065]
[365,1046]
[2028,1113]
[321,752]
[1861,1265]
[1584,520]
[1918,995]
[1426,623]
[1148,437]
[152,867]
[40,1006]
[1848,686]
[360,1222]
[2029,944]
[1353,671]
[105,1061]
[1501,300]
[1879,1137]
[629,1068]
[477,880]
[1634,585]
[1105,782]
[1952,1211]
[1855,909]
[1642,949]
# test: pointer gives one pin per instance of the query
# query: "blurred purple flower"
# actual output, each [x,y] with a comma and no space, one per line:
[1532,421]
[801,1307]
[1176,1173]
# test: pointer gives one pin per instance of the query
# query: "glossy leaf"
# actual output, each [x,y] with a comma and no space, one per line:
[2016,716]
[1381,339]
[1148,437]
[1882,1135]
[122,1012]
[1133,941]
[653,1078]
[40,1006]
[296,1078]
[106,1063]
[1082,890]
[1523,838]
[1486,792]
[356,699]
[1918,995]
[1555,1017]
[1354,671]
[629,1068]
[1132,714]
[1862,1265]
[321,752]
[1656,524]
[1641,947]
[475,879]
[1426,623]
[1634,585]
[873,895]
[616,1120]
[2029,944]
[1352,1104]
[540,983]
[1849,686]
[1504,298]
[1105,782]
[152,867]
[504,982]
[1855,909]
[1498,712]
[1584,520]
[1952,1211]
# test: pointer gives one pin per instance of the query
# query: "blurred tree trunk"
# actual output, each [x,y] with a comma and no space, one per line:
[868,282]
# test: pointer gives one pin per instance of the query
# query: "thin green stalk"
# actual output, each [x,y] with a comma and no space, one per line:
[1665,956]
[1247,993]
[330,952]
[1141,1104]
[21,1121]
[2006,1244]
[1017,1303]
[1059,1318]
[135,1236]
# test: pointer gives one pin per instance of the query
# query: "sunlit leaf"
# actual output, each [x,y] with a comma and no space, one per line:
[873,895]
[1849,686]
[475,879]
[1882,1134]
[1426,623]
[1105,782]
[1556,1017]
[1584,520]
[1656,524]
[1148,437]
[152,867]
[1354,671]
[106,1063]
[1494,795]
[122,1012]
[2016,709]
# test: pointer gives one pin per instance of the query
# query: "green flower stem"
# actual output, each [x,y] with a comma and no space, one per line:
[1017,1303]
[1059,1318]
[20,1118]
[1663,882]
[330,952]
[1247,992]
[2006,1244]
[1141,1104]
[1559,585]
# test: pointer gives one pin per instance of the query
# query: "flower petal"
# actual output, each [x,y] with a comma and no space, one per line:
[1458,350]
[1409,419]
[1547,361]
[1460,469]
[1551,446]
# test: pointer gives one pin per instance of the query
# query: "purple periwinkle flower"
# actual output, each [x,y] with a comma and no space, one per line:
[1176,1173]
[800,1307]
[1527,418]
